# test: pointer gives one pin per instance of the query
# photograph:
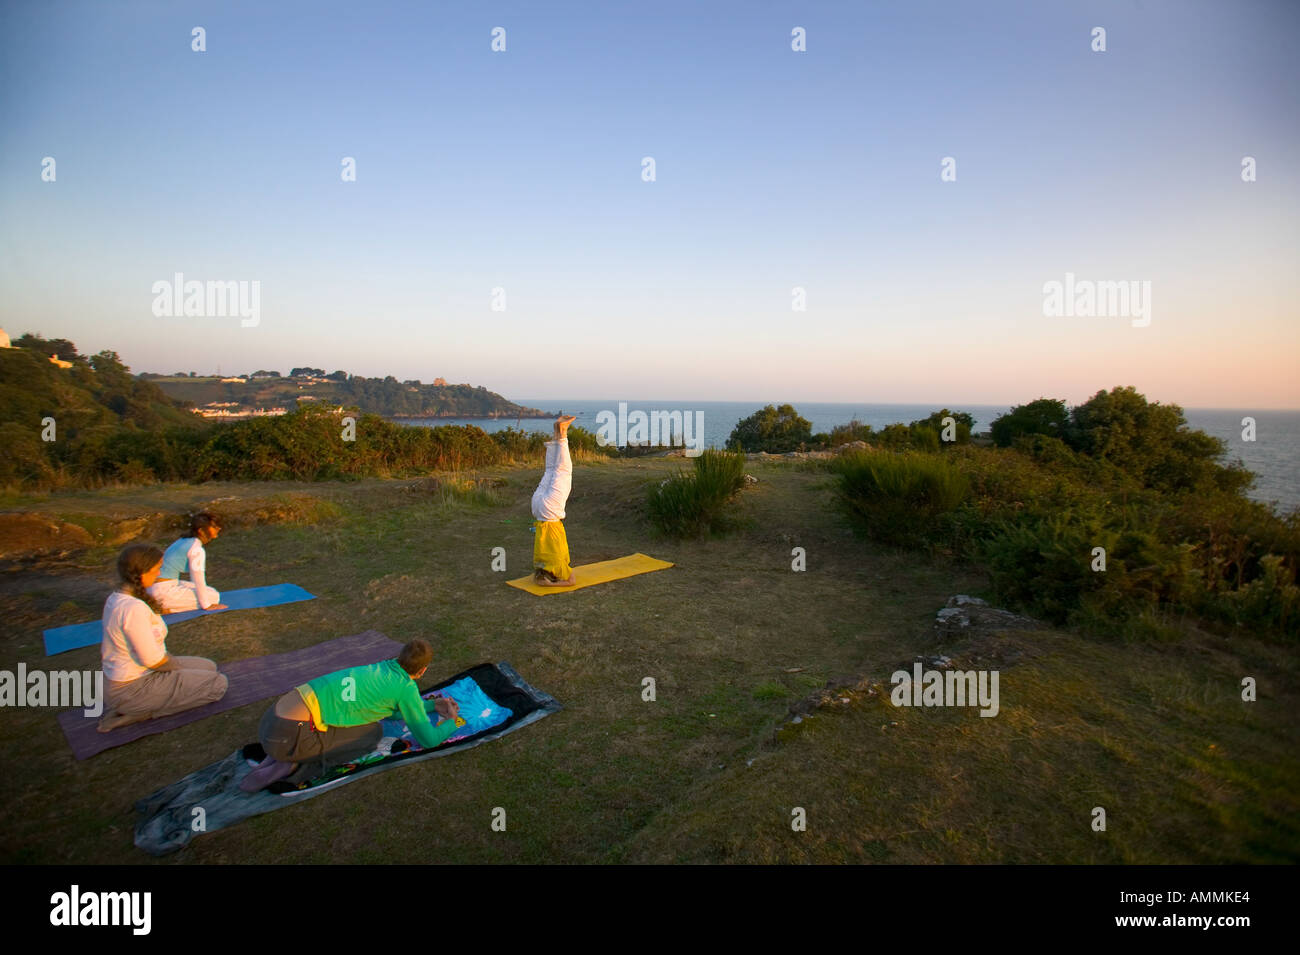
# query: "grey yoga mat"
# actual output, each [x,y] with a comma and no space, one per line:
[167,817]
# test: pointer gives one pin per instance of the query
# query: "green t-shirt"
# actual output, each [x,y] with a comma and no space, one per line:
[368,694]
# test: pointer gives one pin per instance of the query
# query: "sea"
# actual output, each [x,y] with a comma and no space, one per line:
[1274,455]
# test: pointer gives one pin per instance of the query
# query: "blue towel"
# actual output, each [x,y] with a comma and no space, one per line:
[479,711]
[59,639]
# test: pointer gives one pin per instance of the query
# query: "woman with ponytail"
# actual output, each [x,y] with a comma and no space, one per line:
[141,680]
[188,556]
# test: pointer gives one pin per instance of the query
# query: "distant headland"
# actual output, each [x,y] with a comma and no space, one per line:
[268,393]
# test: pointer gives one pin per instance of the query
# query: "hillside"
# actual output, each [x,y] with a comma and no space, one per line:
[94,391]
[383,396]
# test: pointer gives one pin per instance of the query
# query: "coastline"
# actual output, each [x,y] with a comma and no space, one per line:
[462,417]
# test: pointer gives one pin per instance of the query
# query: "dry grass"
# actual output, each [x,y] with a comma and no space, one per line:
[613,778]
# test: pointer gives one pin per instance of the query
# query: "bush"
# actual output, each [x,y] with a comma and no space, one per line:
[1035,514]
[690,504]
[1181,540]
[899,499]
[1046,416]
[927,434]
[771,429]
[1149,442]
[855,430]
[26,461]
[1042,564]
[895,437]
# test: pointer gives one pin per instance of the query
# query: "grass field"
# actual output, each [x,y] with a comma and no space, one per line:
[711,771]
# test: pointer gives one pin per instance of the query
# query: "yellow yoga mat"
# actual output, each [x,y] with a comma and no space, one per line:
[599,573]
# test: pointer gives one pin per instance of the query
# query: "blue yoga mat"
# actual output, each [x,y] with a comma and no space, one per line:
[77,635]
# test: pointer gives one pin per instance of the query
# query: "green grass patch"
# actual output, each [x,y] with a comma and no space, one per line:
[770,691]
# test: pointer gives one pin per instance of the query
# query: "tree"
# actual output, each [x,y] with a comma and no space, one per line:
[771,429]
[927,433]
[49,347]
[1148,441]
[1047,416]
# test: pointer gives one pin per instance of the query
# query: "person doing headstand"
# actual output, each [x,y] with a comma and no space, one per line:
[550,545]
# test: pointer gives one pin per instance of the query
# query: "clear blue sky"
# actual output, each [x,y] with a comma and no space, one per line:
[775,169]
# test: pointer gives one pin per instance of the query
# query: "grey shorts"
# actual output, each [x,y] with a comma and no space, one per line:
[298,741]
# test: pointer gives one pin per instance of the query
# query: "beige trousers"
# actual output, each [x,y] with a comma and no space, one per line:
[188,682]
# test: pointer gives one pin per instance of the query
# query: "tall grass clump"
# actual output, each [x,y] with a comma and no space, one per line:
[454,492]
[689,504]
[899,499]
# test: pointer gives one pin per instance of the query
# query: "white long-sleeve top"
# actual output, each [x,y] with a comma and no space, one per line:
[135,638]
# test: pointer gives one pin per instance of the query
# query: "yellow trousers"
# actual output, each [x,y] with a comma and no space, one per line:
[551,548]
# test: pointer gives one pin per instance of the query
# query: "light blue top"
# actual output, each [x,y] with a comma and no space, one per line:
[176,559]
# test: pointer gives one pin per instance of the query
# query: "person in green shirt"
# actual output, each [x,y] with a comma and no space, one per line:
[335,718]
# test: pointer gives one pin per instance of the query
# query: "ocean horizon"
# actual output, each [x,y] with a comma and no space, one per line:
[1274,457]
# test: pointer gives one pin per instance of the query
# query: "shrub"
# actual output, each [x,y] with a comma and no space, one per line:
[687,504]
[1041,564]
[25,460]
[1034,516]
[899,498]
[855,430]
[771,429]
[962,422]
[1046,416]
[895,437]
[520,445]
[1148,441]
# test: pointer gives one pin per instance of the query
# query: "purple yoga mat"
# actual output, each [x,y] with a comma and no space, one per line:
[253,679]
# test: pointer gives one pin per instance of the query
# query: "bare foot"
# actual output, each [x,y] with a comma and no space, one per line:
[562,425]
[217,607]
[559,583]
[111,721]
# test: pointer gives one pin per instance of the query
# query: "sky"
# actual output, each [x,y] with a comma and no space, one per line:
[774,170]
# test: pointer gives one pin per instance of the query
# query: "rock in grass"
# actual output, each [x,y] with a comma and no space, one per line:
[965,613]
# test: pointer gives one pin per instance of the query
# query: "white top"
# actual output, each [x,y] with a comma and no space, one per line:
[134,638]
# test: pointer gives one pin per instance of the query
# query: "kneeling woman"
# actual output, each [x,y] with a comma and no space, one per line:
[550,543]
[141,680]
[335,718]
